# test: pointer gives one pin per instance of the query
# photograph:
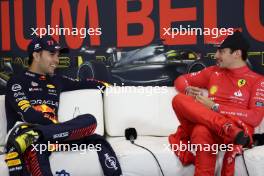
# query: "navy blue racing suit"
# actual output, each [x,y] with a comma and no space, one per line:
[29,96]
[34,99]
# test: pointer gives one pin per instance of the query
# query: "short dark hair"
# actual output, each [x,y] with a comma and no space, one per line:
[244,53]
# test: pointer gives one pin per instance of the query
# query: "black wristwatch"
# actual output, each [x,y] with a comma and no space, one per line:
[215,107]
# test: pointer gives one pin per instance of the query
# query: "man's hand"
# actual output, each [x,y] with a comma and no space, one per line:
[242,125]
[205,101]
[193,91]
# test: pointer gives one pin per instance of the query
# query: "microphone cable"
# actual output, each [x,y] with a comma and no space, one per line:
[244,160]
[258,140]
[131,135]
[151,154]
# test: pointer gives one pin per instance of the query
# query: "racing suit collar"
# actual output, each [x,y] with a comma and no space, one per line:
[239,70]
[35,75]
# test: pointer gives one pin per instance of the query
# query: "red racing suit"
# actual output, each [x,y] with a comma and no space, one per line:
[240,95]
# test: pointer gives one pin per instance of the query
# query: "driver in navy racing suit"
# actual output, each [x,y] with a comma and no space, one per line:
[33,98]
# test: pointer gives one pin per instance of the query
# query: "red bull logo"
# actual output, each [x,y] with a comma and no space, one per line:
[44,108]
[48,111]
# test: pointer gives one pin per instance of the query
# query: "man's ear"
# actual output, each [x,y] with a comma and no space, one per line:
[238,53]
[36,56]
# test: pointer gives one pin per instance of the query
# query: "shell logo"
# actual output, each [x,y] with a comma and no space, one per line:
[50,86]
[213,90]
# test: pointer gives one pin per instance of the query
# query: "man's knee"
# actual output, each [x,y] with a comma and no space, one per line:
[177,101]
[88,119]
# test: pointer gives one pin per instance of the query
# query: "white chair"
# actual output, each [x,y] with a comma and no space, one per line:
[148,110]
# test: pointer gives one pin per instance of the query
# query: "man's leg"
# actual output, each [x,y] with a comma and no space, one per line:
[77,128]
[24,135]
[106,154]
[176,140]
[15,162]
[37,162]
[182,136]
[187,125]
[205,160]
[188,109]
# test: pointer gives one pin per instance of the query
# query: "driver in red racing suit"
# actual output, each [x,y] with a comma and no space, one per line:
[233,108]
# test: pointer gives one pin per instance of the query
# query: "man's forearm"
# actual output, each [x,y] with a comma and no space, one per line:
[251,116]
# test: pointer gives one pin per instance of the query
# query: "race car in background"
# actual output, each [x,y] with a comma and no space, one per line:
[153,65]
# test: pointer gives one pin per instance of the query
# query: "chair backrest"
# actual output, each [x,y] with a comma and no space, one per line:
[73,103]
[148,109]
